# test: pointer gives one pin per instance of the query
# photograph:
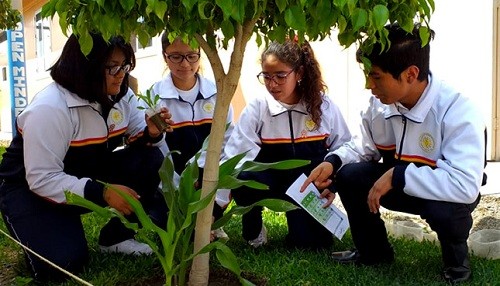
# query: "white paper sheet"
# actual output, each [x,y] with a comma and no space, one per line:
[331,217]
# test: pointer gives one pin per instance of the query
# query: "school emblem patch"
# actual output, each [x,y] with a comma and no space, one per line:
[208,107]
[116,116]
[426,142]
[310,125]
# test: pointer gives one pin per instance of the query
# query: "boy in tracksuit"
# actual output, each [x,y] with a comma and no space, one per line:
[422,151]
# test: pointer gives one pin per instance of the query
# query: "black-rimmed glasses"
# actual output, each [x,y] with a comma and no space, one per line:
[178,58]
[278,78]
[113,70]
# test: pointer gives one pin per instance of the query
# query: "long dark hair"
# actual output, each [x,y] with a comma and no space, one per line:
[311,88]
[85,75]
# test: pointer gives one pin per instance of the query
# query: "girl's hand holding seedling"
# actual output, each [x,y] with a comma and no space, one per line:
[153,128]
[157,115]
[115,201]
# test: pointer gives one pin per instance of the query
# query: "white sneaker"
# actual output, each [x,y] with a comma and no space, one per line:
[129,246]
[261,239]
[220,234]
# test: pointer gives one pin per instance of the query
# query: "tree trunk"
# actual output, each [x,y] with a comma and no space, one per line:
[226,86]
[200,268]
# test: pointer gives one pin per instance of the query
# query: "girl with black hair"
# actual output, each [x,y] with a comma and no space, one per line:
[67,140]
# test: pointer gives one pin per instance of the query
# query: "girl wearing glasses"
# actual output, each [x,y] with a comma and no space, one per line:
[65,141]
[296,120]
[191,99]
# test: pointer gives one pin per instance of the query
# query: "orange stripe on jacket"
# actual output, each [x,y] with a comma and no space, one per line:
[418,159]
[386,148]
[191,123]
[296,140]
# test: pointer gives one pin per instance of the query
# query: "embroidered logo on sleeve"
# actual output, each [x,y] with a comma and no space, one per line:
[427,142]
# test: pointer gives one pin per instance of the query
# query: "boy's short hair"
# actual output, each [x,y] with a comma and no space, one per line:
[405,50]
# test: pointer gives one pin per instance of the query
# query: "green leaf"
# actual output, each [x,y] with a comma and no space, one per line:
[276,205]
[63,23]
[359,18]
[380,16]
[160,9]
[61,5]
[227,259]
[351,5]
[228,166]
[426,6]
[280,165]
[340,3]
[167,172]
[127,5]
[189,4]
[74,199]
[197,206]
[227,29]
[230,182]
[425,35]
[295,18]
[346,38]
[342,24]
[281,4]
[202,9]
[225,6]
[238,11]
[49,9]
[407,25]
[136,206]
[86,42]
[144,40]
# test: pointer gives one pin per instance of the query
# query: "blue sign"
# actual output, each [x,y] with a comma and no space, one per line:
[17,78]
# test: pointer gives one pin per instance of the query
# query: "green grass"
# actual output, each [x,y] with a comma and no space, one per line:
[417,263]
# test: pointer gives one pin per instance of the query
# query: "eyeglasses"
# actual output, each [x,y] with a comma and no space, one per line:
[113,70]
[278,78]
[178,58]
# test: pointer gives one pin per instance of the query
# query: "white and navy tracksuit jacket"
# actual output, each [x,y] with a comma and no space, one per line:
[192,122]
[269,132]
[63,141]
[438,146]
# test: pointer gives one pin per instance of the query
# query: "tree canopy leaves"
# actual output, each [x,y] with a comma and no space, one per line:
[8,17]
[217,20]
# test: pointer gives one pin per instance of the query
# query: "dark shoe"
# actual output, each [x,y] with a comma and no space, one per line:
[353,256]
[455,275]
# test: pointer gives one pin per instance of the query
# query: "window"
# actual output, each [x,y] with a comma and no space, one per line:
[42,41]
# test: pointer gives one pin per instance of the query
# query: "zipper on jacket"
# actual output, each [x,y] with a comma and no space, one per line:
[105,124]
[192,114]
[290,124]
[402,137]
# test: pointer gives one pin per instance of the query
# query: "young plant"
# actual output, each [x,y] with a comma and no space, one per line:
[175,253]
[150,103]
